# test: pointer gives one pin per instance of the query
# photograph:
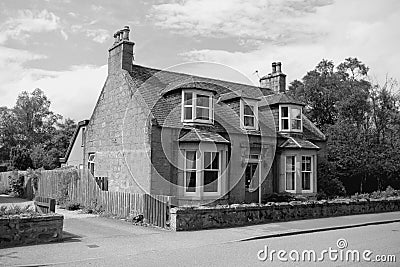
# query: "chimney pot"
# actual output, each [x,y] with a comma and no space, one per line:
[278,67]
[273,67]
[126,33]
[121,53]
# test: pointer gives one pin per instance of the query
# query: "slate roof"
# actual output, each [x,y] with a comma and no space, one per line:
[297,143]
[198,135]
[159,88]
[237,94]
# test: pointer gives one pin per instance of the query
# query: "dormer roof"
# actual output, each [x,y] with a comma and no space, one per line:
[282,98]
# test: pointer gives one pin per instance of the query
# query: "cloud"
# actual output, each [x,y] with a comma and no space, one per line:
[27,22]
[270,20]
[97,35]
[78,86]
[370,37]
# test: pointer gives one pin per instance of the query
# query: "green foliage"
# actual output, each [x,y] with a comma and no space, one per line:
[66,177]
[34,176]
[16,182]
[6,211]
[20,158]
[388,193]
[328,185]
[94,207]
[362,124]
[283,197]
[72,205]
[31,135]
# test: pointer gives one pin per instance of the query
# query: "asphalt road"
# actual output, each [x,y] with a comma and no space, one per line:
[97,241]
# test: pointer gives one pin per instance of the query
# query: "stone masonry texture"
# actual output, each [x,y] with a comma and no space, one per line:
[19,230]
[188,219]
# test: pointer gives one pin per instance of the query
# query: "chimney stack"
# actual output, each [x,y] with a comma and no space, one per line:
[275,81]
[121,53]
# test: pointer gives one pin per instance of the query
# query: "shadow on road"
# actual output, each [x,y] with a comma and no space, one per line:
[70,237]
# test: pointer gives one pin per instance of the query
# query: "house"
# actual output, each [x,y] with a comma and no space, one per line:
[199,139]
[75,151]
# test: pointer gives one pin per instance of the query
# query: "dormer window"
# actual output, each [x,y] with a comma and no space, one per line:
[249,114]
[290,118]
[197,106]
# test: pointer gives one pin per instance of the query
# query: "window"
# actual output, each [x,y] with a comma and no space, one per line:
[290,118]
[211,171]
[102,182]
[202,171]
[290,175]
[251,175]
[249,114]
[91,162]
[197,107]
[190,172]
[306,173]
[83,136]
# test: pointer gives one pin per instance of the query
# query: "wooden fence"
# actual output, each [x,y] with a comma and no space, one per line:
[81,187]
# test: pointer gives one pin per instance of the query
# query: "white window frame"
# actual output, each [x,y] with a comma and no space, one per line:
[304,171]
[200,168]
[92,161]
[254,158]
[295,174]
[196,170]
[83,132]
[194,107]
[218,192]
[254,105]
[290,107]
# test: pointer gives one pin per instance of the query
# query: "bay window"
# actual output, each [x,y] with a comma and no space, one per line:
[290,118]
[299,173]
[197,106]
[202,173]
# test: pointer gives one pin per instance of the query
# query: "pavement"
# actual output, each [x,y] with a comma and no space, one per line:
[88,237]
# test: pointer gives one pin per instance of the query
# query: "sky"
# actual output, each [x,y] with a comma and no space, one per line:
[61,46]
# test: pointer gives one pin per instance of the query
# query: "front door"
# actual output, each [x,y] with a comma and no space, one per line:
[251,182]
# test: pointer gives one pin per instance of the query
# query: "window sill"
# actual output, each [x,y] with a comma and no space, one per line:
[198,122]
[291,131]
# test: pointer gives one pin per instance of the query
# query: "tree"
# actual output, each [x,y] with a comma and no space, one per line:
[7,133]
[35,122]
[327,92]
[362,124]
[31,135]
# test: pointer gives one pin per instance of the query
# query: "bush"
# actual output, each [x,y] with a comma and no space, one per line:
[279,197]
[16,183]
[66,177]
[93,208]
[16,210]
[34,176]
[72,206]
[328,185]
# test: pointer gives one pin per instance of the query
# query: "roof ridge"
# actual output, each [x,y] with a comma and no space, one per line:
[198,76]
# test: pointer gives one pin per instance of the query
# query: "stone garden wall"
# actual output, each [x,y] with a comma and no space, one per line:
[196,218]
[19,230]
